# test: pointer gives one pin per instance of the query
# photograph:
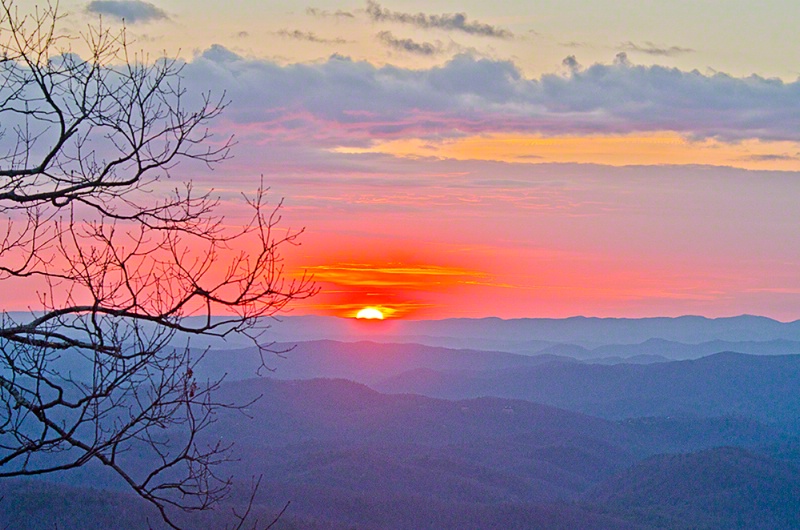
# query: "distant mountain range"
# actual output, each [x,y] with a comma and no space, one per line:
[656,350]
[581,337]
[371,362]
[531,335]
[602,339]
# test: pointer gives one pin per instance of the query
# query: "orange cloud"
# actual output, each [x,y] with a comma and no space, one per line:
[614,150]
[396,289]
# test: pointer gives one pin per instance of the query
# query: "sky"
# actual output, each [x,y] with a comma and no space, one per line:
[512,159]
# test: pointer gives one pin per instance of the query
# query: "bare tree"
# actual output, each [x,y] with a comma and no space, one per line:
[122,268]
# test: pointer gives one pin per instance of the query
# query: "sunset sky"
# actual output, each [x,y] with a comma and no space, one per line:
[512,159]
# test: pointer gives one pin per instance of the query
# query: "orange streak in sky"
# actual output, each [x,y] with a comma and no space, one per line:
[615,150]
[396,289]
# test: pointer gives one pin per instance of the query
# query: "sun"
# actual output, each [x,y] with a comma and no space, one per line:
[370,313]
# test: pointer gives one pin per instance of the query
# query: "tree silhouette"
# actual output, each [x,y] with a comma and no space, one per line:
[123,269]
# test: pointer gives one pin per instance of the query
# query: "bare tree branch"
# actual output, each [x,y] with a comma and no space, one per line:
[94,374]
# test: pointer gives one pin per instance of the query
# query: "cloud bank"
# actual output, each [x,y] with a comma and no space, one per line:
[341,102]
[132,11]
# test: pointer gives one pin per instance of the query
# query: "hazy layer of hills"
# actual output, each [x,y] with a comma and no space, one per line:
[766,388]
[534,335]
[370,361]
[581,423]
[660,350]
[365,362]
[531,335]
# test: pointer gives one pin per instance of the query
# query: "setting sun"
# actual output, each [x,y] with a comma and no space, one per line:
[370,313]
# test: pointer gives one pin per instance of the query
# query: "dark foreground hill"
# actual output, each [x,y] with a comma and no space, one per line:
[43,505]
[347,456]
[345,453]
[724,487]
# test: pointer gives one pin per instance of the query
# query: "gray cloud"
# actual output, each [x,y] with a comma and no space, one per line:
[447,21]
[651,49]
[132,11]
[321,13]
[410,46]
[345,102]
[571,63]
[769,158]
[308,37]
[575,44]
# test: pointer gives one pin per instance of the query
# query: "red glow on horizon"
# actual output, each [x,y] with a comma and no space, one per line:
[394,290]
